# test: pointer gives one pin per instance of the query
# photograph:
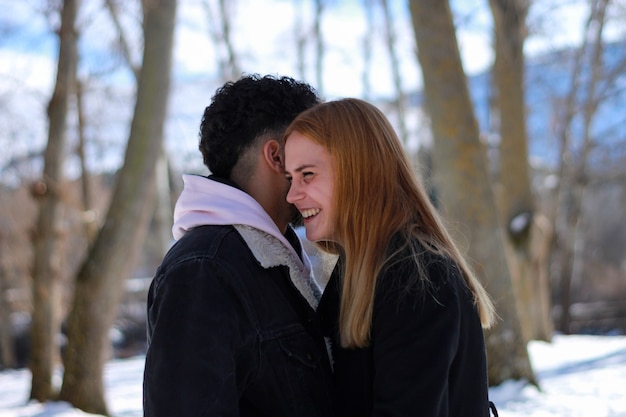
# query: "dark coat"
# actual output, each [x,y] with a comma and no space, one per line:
[228,337]
[427,352]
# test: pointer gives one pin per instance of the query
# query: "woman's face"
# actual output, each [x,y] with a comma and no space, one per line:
[309,168]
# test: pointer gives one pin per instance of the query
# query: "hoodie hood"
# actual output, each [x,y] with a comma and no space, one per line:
[208,202]
[204,201]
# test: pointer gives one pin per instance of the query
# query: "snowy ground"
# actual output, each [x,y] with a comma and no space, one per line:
[580,376]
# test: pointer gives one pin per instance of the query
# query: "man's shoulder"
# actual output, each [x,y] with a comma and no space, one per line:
[206,242]
[206,253]
[201,237]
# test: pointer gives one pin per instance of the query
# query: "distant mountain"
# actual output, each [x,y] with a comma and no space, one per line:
[548,82]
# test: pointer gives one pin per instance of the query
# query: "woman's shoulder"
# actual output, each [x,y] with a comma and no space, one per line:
[414,268]
[409,256]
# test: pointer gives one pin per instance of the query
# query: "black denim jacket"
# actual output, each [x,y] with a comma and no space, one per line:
[228,337]
[427,353]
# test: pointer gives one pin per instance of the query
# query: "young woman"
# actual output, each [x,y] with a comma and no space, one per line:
[403,309]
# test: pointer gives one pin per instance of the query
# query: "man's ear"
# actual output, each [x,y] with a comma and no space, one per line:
[274,155]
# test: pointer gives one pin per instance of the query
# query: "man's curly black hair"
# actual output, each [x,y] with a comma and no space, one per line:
[245,110]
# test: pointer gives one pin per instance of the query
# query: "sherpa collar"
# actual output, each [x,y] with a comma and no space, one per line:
[270,253]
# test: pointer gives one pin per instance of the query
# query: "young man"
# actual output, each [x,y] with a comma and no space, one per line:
[232,329]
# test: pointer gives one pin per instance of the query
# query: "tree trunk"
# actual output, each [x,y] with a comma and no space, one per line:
[463,184]
[400,100]
[580,165]
[220,24]
[542,237]
[123,39]
[300,37]
[163,213]
[516,202]
[319,46]
[100,279]
[233,71]
[46,317]
[368,6]
[7,351]
[90,221]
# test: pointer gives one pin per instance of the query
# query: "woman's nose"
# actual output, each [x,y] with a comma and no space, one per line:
[294,194]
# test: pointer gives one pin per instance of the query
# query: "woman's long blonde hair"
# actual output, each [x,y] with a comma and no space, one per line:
[376,195]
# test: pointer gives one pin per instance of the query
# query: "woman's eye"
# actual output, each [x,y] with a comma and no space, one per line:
[307,174]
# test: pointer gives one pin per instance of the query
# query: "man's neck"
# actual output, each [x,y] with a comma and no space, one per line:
[261,189]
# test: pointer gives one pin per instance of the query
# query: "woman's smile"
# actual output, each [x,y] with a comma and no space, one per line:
[309,168]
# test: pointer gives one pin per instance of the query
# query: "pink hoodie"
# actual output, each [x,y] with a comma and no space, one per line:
[204,201]
[207,202]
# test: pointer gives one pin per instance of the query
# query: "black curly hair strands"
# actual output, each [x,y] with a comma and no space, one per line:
[245,110]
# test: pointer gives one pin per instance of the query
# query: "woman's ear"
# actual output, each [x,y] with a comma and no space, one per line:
[274,155]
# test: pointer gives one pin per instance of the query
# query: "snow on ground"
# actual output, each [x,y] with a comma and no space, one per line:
[579,376]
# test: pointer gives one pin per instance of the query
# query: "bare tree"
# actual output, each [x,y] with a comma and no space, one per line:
[123,39]
[18,214]
[573,169]
[395,72]
[319,45]
[163,204]
[100,280]
[368,6]
[300,37]
[303,34]
[462,180]
[46,317]
[7,352]
[89,217]
[222,37]
[516,201]
[8,272]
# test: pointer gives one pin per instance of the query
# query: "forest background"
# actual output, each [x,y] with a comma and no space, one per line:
[512,110]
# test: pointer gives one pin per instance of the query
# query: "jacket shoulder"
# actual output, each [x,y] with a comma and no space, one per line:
[204,242]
